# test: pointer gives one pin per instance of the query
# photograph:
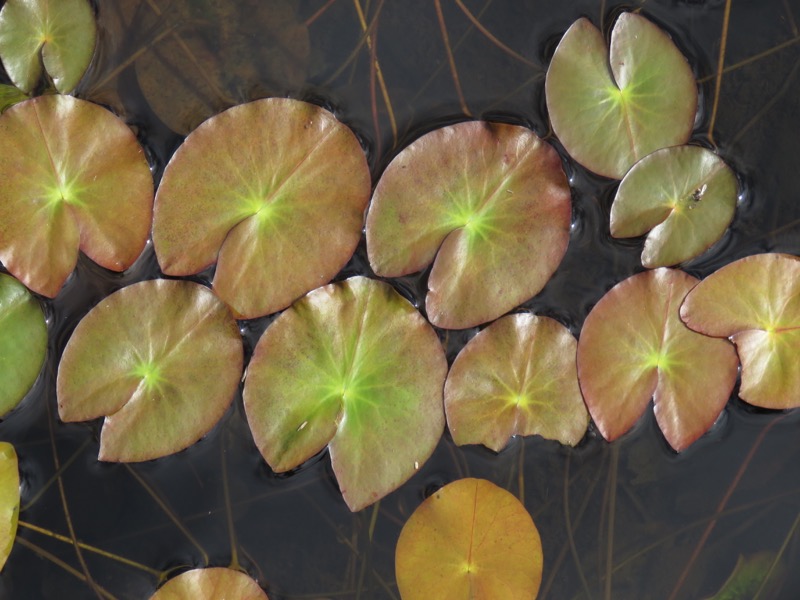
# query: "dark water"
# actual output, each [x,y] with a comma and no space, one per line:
[294,533]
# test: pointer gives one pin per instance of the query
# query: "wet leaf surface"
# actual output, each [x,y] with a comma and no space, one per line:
[634,347]
[74,177]
[353,366]
[612,108]
[470,540]
[755,301]
[215,583]
[516,377]
[9,499]
[487,203]
[274,191]
[58,35]
[684,196]
[160,359]
[23,342]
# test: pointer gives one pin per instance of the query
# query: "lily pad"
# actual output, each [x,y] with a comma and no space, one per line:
[470,540]
[516,377]
[748,578]
[210,584]
[23,342]
[9,499]
[634,347]
[274,191]
[755,301]
[685,196]
[74,177]
[160,359]
[353,366]
[9,96]
[612,108]
[487,203]
[58,35]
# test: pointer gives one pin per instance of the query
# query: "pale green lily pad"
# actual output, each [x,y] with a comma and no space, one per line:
[684,196]
[274,192]
[353,366]
[9,500]
[611,111]
[23,342]
[58,35]
[74,177]
[634,347]
[516,377]
[160,359]
[755,301]
[487,203]
[9,96]
[215,583]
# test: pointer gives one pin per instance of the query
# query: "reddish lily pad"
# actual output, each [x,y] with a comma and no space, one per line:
[161,360]
[210,584]
[274,191]
[74,177]
[685,196]
[58,35]
[489,202]
[471,540]
[9,500]
[609,112]
[353,366]
[23,342]
[516,377]
[634,347]
[755,302]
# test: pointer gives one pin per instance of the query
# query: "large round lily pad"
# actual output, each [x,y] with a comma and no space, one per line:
[516,377]
[23,342]
[74,177]
[634,347]
[9,500]
[274,192]
[610,109]
[684,196]
[353,366]
[471,540]
[489,202]
[755,301]
[58,35]
[215,583]
[161,360]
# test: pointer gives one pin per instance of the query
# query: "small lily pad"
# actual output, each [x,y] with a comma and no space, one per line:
[489,202]
[274,192]
[161,360]
[58,35]
[516,377]
[23,342]
[610,112]
[74,177]
[634,347]
[353,366]
[755,301]
[9,96]
[748,578]
[685,196]
[469,540]
[9,499]
[214,583]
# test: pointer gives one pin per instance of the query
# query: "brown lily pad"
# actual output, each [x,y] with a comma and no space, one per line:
[215,583]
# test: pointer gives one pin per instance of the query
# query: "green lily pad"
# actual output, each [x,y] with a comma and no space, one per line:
[747,578]
[489,202]
[516,377]
[74,177]
[9,499]
[274,191]
[469,540]
[58,35]
[353,366]
[160,359]
[685,196]
[610,109]
[634,347]
[23,342]
[9,96]
[755,301]
[214,583]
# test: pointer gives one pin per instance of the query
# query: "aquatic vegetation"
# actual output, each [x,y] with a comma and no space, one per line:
[210,584]
[9,499]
